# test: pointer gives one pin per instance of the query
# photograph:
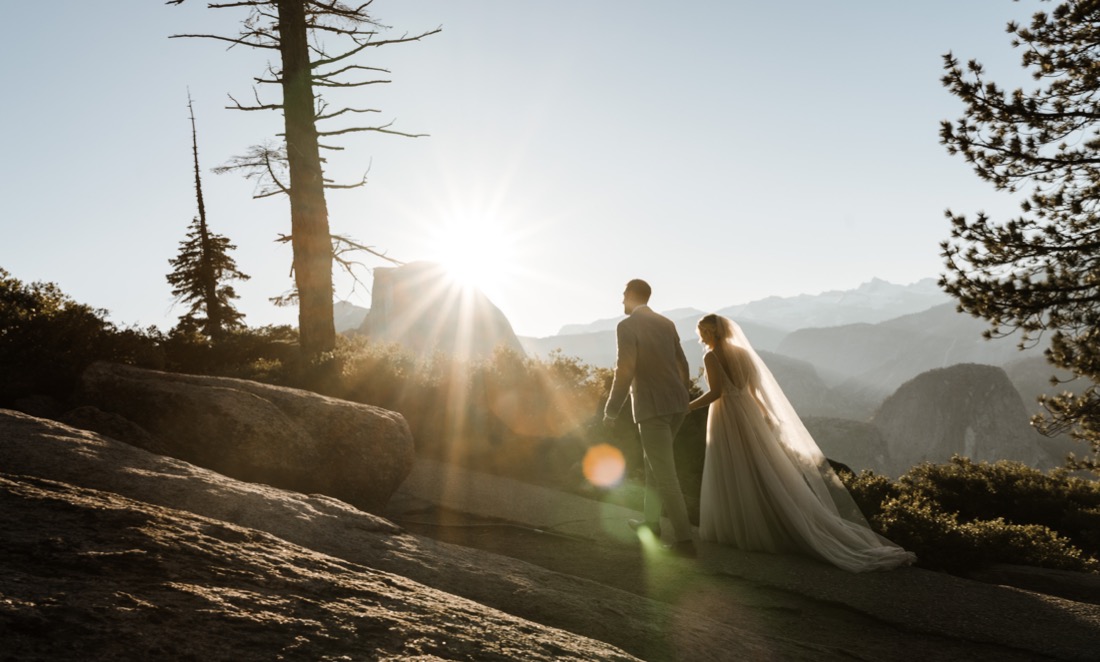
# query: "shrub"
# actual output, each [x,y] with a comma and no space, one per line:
[47,339]
[963,515]
[527,418]
[870,491]
[1015,492]
[268,353]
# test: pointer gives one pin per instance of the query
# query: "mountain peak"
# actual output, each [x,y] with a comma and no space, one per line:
[875,284]
[419,306]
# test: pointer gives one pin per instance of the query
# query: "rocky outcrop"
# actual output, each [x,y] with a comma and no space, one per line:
[255,432]
[108,552]
[968,409]
[421,307]
[136,567]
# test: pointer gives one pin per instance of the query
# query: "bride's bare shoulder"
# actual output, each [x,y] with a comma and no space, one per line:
[736,351]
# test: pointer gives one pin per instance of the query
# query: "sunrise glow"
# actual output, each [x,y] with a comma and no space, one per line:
[477,251]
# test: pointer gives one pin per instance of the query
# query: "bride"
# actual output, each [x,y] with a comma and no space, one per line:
[766,485]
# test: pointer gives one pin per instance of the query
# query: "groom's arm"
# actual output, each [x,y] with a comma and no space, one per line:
[625,366]
[682,364]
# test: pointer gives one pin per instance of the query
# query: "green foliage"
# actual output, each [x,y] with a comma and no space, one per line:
[526,418]
[199,278]
[268,353]
[962,515]
[47,339]
[870,491]
[1037,273]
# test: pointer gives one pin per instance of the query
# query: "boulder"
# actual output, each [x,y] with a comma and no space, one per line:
[114,426]
[256,432]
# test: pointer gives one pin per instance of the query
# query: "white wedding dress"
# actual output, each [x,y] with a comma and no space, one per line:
[766,485]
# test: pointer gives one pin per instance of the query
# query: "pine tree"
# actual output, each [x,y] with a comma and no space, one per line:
[1040,272]
[203,266]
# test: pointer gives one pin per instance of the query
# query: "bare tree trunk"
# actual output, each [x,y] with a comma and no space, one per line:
[207,277]
[308,211]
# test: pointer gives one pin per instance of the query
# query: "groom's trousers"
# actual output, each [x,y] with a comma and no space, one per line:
[662,484]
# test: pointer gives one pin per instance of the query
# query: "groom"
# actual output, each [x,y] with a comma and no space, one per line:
[651,365]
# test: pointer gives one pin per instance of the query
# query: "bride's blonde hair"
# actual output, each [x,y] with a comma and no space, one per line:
[718,330]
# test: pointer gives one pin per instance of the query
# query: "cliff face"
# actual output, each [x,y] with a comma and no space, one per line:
[857,444]
[969,409]
[419,306]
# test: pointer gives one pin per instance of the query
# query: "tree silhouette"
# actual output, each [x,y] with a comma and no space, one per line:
[1039,272]
[300,30]
[203,266]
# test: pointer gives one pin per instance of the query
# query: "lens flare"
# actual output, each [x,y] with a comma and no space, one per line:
[604,465]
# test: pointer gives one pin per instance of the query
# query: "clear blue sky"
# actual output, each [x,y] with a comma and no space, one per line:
[723,150]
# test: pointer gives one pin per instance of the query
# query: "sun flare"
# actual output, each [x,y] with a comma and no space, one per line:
[604,465]
[476,252]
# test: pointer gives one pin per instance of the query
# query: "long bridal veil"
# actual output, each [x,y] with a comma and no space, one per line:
[797,443]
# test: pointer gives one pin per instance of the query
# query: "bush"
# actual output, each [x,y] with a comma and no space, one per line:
[870,491]
[963,515]
[47,339]
[527,418]
[268,353]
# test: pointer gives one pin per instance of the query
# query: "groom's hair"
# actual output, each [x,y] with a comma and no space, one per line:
[640,288]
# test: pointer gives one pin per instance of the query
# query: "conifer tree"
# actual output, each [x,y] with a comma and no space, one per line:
[1039,272]
[203,266]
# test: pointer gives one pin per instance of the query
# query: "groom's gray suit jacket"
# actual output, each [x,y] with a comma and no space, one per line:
[651,366]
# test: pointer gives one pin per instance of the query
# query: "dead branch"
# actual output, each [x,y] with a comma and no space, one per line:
[385,128]
[321,116]
[232,40]
[260,105]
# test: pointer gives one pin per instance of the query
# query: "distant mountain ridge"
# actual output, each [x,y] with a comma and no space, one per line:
[874,301]
[609,323]
[766,322]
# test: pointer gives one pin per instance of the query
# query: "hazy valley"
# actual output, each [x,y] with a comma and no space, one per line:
[866,368]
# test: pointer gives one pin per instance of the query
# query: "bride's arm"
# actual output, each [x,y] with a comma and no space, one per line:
[710,362]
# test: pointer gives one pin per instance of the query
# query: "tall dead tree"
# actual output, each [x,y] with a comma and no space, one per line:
[202,267]
[300,30]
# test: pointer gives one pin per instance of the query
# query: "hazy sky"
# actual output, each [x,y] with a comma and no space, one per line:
[723,150]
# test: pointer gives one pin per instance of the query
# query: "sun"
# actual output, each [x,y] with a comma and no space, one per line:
[476,251]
